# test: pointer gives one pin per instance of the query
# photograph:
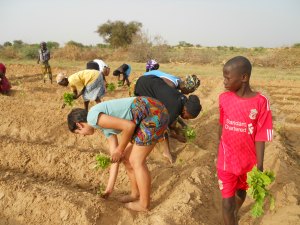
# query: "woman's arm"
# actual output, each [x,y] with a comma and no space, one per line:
[113,172]
[127,128]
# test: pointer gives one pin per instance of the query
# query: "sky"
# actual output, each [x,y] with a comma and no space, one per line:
[239,23]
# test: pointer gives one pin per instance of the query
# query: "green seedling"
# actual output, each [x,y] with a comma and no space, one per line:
[101,189]
[102,161]
[258,182]
[120,83]
[68,98]
[111,87]
[189,133]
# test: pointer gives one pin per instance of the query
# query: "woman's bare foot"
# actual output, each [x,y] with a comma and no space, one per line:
[128,198]
[169,157]
[136,206]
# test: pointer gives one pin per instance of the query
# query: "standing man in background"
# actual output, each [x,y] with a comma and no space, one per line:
[44,57]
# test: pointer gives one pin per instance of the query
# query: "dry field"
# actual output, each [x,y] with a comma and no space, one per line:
[47,175]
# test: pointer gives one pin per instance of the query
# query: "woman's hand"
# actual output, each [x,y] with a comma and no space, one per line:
[116,155]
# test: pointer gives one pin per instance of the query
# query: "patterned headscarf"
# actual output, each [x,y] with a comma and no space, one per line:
[192,82]
[152,65]
[2,68]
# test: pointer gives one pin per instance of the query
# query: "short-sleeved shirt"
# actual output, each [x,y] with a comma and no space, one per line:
[244,121]
[155,87]
[79,80]
[125,69]
[175,80]
[120,108]
[44,55]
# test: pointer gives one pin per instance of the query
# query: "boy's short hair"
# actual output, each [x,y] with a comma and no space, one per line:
[116,73]
[241,63]
[193,105]
[77,115]
[91,65]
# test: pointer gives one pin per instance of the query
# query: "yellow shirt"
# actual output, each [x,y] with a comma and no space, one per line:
[81,79]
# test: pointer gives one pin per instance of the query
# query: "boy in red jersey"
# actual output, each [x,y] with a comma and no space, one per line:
[245,126]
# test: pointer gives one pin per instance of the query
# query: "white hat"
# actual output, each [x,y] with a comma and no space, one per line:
[60,77]
[101,64]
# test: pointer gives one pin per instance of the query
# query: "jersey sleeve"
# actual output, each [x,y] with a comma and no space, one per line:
[264,124]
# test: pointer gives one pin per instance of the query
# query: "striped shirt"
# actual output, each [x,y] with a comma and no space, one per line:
[244,121]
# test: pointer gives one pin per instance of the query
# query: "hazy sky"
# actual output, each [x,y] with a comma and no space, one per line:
[241,23]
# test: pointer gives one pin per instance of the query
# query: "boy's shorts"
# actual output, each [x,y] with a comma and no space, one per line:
[229,183]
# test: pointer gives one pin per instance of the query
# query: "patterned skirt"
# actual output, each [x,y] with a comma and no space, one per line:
[151,118]
[94,90]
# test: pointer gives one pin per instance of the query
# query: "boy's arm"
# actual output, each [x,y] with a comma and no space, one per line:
[220,131]
[260,151]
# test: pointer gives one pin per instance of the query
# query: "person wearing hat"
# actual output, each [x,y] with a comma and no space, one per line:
[177,104]
[44,57]
[125,70]
[4,83]
[89,83]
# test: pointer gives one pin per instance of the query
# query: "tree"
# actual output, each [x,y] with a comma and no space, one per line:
[7,43]
[118,33]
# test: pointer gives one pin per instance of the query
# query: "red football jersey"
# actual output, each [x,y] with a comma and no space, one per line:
[244,121]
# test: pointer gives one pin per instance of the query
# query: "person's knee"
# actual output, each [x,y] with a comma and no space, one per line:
[229,205]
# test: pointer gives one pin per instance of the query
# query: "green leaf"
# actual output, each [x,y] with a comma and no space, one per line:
[68,98]
[189,133]
[102,161]
[258,182]
[111,87]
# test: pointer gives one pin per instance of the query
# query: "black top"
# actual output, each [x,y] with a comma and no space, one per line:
[155,87]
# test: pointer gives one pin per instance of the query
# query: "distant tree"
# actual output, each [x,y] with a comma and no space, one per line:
[52,44]
[18,43]
[184,44]
[74,43]
[296,45]
[118,33]
[7,43]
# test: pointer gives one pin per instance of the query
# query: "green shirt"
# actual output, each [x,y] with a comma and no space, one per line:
[120,108]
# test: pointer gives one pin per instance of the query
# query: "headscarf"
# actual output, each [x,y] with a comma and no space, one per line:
[60,77]
[192,82]
[152,65]
[2,68]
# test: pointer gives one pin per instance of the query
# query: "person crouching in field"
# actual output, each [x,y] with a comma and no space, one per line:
[44,57]
[89,83]
[176,103]
[103,68]
[245,126]
[125,70]
[4,83]
[143,122]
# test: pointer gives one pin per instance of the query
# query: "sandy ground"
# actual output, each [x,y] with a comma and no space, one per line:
[47,174]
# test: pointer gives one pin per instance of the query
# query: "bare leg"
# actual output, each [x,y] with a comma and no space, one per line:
[137,160]
[98,100]
[239,200]
[229,206]
[134,188]
[86,105]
